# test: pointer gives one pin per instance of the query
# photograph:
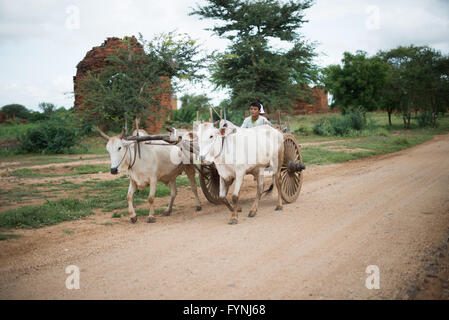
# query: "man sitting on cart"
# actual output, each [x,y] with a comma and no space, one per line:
[255,119]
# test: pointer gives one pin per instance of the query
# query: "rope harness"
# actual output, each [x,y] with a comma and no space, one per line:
[132,162]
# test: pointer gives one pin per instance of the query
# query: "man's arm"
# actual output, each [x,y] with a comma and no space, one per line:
[266,121]
[245,123]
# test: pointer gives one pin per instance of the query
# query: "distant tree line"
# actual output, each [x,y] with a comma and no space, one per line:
[401,80]
[16,112]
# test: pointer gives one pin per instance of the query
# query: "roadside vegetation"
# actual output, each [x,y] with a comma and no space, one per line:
[376,137]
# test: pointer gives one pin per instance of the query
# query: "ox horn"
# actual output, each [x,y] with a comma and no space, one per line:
[104,135]
[123,133]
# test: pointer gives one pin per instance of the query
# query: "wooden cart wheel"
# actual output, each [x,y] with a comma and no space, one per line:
[210,183]
[291,180]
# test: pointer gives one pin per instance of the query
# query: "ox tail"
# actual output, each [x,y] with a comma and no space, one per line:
[270,188]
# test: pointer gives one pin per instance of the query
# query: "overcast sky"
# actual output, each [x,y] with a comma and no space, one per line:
[42,41]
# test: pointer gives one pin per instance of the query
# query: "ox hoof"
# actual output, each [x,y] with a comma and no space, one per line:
[239,209]
[233,221]
[278,208]
[198,208]
[166,213]
[133,219]
[151,220]
[251,214]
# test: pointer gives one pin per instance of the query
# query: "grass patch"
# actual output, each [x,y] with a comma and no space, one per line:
[6,236]
[25,173]
[109,195]
[68,231]
[316,155]
[12,131]
[144,212]
[78,170]
[91,168]
[49,213]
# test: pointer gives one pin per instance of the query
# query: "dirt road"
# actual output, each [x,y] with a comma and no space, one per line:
[389,211]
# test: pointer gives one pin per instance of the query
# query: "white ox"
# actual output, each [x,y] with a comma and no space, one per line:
[239,151]
[156,163]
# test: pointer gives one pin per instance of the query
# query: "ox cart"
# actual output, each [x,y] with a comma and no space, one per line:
[291,169]
[291,174]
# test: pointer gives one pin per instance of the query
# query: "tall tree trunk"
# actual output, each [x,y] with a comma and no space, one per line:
[408,119]
[389,117]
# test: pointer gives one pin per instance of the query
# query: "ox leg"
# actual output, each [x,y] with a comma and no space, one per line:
[277,180]
[224,193]
[255,206]
[172,197]
[132,187]
[153,185]
[190,171]
[235,198]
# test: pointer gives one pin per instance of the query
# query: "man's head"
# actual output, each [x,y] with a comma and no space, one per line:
[254,109]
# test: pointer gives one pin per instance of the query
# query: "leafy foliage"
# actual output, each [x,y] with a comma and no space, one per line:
[190,105]
[16,110]
[418,79]
[357,82]
[340,125]
[252,68]
[197,102]
[56,135]
[137,76]
[186,114]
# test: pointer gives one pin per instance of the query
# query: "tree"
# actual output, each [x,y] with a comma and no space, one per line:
[357,82]
[16,110]
[137,76]
[389,98]
[190,105]
[418,80]
[47,108]
[196,102]
[250,67]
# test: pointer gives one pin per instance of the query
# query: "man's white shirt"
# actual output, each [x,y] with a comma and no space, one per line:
[247,123]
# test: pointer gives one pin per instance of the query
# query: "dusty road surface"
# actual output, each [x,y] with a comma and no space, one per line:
[389,211]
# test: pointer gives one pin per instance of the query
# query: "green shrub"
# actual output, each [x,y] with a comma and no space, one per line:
[186,114]
[425,119]
[303,130]
[53,136]
[324,127]
[382,132]
[401,141]
[340,125]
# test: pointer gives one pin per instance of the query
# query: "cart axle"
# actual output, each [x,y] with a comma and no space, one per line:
[295,167]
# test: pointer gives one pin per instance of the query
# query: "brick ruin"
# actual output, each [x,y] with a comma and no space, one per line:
[319,103]
[95,61]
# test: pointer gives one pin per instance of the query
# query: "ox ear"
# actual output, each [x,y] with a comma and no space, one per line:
[224,131]
[189,136]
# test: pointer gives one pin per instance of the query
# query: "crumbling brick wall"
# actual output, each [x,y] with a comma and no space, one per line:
[95,61]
